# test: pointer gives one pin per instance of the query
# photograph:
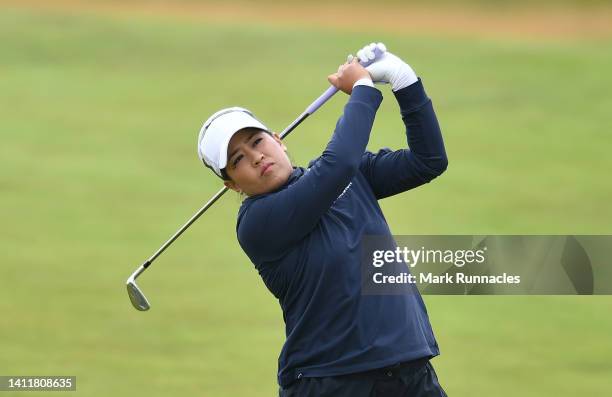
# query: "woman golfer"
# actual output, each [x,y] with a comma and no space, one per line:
[303,227]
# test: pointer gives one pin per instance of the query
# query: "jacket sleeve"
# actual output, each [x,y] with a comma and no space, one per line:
[392,172]
[275,222]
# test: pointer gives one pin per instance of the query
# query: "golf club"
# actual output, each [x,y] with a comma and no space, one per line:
[138,299]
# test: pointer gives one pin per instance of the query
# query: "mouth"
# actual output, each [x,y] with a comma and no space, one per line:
[265,168]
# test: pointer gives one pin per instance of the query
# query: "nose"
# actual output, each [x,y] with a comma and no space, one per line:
[257,158]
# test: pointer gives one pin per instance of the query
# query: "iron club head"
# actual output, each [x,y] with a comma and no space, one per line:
[139,301]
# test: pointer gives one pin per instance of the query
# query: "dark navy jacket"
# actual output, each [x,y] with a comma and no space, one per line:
[305,238]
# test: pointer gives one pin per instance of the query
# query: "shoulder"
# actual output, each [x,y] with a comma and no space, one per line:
[255,211]
[250,226]
[251,212]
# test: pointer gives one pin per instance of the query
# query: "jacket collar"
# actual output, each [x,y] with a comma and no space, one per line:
[293,177]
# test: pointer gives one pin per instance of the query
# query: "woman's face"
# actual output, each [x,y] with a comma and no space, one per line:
[256,162]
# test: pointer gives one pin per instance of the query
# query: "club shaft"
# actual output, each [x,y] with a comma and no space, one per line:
[186,226]
[294,124]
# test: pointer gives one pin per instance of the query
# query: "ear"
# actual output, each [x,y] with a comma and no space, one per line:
[232,185]
[279,141]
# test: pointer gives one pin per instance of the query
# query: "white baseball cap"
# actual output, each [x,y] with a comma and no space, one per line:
[217,131]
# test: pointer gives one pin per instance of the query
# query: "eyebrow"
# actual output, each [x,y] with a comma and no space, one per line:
[253,133]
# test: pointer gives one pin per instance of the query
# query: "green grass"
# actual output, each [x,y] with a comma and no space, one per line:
[99,118]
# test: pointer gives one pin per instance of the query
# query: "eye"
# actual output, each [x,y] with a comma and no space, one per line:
[236,160]
[256,141]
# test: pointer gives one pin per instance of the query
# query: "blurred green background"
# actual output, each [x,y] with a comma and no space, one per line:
[100,105]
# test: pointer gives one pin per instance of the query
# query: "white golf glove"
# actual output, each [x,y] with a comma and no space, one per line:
[388,68]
